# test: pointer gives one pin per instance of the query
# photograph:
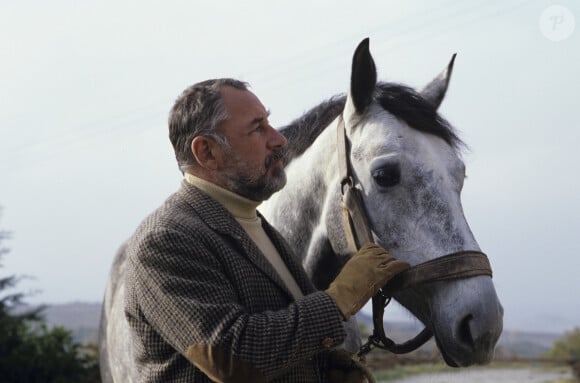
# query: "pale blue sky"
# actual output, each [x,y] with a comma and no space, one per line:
[85,88]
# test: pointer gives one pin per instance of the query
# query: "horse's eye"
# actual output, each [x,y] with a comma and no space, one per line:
[387,175]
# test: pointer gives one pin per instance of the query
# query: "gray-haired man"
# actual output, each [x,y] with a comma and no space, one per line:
[214,292]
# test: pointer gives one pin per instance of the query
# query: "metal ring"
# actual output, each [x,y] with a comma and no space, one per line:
[346,181]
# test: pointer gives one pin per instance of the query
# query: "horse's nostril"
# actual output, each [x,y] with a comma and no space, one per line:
[465,332]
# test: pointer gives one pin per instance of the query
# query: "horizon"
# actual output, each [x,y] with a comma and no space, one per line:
[365,313]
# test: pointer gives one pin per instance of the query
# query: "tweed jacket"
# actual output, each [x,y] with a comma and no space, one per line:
[204,304]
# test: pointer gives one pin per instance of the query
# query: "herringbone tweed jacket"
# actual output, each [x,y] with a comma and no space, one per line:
[203,303]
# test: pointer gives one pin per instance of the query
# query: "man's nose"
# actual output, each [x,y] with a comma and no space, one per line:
[277,139]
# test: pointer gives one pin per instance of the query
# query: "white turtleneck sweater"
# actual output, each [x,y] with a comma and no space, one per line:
[244,211]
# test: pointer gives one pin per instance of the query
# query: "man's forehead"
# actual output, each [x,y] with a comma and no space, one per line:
[238,100]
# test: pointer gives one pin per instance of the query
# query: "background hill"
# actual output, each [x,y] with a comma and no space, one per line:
[82,319]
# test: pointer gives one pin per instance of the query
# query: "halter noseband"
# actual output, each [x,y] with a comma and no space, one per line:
[463,264]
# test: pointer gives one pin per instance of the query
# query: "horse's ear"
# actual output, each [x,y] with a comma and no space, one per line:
[435,91]
[363,78]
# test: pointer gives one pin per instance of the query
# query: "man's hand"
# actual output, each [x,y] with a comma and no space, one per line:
[343,369]
[362,276]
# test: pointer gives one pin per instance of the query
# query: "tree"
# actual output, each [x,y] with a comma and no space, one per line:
[568,347]
[29,350]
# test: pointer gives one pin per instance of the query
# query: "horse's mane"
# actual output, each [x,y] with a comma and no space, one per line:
[401,101]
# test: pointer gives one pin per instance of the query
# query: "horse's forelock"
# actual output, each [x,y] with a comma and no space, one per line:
[408,105]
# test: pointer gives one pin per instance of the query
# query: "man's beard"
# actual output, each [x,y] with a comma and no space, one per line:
[255,182]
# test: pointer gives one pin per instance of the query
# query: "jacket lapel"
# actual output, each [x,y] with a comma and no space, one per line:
[220,220]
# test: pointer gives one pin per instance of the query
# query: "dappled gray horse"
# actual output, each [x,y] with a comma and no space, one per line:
[406,163]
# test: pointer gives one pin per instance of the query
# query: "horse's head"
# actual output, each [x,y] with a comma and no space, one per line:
[406,163]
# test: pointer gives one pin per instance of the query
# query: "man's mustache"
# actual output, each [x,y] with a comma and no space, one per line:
[278,154]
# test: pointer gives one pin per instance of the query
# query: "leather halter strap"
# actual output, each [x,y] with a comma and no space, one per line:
[354,216]
[464,264]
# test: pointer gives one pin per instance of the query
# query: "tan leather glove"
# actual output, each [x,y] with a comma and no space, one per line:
[362,276]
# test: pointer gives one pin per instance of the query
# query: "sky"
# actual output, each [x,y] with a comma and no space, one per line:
[86,86]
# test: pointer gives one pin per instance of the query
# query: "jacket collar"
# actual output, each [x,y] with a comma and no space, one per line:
[218,218]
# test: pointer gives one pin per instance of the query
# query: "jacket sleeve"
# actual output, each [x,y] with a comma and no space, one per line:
[189,300]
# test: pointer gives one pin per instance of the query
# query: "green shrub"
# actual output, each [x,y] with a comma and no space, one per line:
[568,347]
[31,352]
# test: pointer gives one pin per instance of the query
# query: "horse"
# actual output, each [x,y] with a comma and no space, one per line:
[406,163]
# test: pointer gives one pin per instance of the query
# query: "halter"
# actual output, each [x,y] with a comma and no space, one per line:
[463,264]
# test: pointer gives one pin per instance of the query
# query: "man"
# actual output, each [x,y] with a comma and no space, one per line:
[213,292]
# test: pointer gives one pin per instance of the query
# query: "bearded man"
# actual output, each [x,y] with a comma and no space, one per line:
[213,292]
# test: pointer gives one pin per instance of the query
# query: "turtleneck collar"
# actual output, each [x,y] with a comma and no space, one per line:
[238,206]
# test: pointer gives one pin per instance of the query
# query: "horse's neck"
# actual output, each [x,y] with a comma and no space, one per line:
[296,210]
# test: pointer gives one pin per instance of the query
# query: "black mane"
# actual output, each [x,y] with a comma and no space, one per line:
[401,101]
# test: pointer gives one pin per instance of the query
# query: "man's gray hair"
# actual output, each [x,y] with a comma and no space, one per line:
[198,111]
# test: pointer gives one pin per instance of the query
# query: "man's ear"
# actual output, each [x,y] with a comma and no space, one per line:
[204,151]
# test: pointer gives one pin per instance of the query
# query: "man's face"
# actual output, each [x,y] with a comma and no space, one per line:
[252,165]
